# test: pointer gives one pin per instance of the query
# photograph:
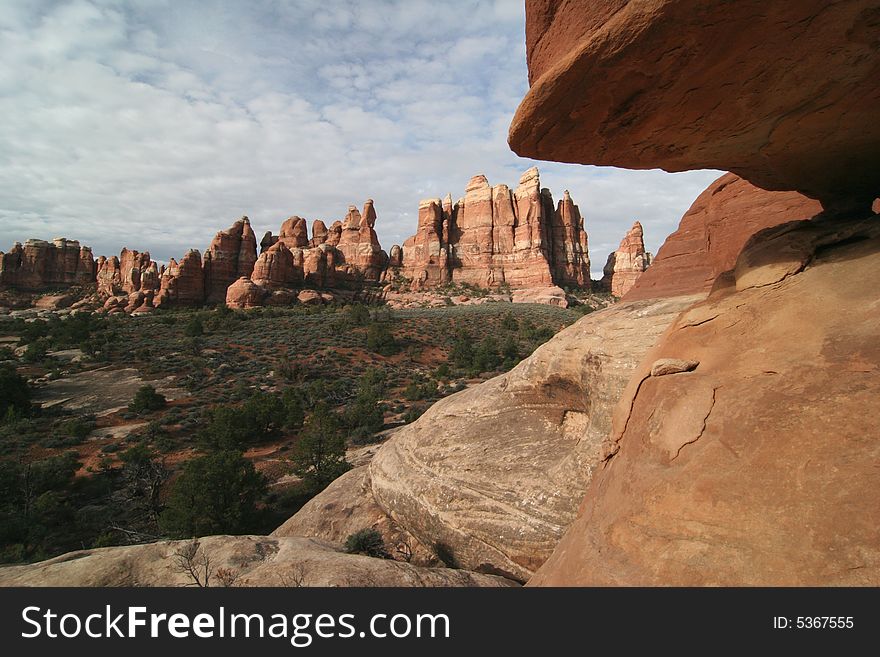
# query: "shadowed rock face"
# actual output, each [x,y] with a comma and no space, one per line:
[712,233]
[346,506]
[784,94]
[256,560]
[495,473]
[758,467]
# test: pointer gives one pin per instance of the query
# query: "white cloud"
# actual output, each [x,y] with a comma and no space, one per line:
[155,125]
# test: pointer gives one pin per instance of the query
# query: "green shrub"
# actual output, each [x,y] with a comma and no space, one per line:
[147,399]
[509,323]
[319,454]
[368,542]
[78,427]
[215,494]
[413,414]
[381,340]
[15,394]
[194,328]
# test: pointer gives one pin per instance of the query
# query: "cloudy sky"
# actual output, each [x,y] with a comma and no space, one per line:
[154,124]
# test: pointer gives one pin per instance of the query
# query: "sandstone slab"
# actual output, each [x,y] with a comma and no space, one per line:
[256,560]
[494,474]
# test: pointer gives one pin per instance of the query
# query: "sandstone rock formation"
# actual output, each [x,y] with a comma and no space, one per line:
[607,87]
[712,233]
[741,451]
[345,255]
[268,240]
[346,506]
[257,560]
[358,244]
[495,473]
[244,293]
[294,233]
[231,255]
[395,256]
[757,467]
[277,267]
[549,296]
[495,236]
[130,272]
[625,266]
[319,233]
[39,265]
[182,284]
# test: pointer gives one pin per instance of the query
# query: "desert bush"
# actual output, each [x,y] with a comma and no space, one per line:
[194,328]
[381,340]
[319,454]
[147,399]
[368,542]
[215,494]
[15,394]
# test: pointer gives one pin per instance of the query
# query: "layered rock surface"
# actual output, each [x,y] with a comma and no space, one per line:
[257,560]
[131,272]
[758,466]
[607,88]
[495,473]
[347,506]
[626,265]
[495,236]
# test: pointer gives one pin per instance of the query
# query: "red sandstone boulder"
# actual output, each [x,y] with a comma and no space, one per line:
[395,256]
[294,233]
[334,233]
[548,296]
[244,293]
[276,267]
[319,233]
[361,255]
[310,298]
[268,241]
[763,82]
[753,460]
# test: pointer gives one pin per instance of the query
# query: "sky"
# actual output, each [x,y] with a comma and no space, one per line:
[155,124]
